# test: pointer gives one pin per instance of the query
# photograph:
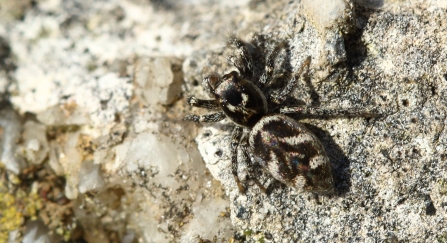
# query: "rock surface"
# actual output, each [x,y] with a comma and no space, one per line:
[100,152]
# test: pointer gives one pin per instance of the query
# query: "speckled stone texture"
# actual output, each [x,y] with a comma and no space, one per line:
[128,169]
[389,171]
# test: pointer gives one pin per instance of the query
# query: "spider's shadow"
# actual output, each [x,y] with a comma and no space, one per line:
[339,161]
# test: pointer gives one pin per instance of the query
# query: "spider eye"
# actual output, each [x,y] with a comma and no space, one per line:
[233,97]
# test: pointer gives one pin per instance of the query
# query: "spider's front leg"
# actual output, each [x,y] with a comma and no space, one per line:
[266,79]
[244,63]
[207,104]
[213,117]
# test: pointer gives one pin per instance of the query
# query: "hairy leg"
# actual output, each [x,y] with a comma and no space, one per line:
[213,117]
[313,112]
[281,96]
[235,139]
[207,104]
[266,78]
[250,168]
[244,63]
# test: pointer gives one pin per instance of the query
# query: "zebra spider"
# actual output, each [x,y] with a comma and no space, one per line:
[285,148]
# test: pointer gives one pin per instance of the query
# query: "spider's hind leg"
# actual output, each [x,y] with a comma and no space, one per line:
[282,95]
[250,169]
[235,140]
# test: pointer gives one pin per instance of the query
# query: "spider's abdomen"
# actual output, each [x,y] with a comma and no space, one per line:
[291,153]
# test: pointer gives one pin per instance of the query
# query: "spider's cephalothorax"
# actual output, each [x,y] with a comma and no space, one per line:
[285,148]
[241,101]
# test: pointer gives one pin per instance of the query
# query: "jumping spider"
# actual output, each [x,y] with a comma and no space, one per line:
[290,152]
